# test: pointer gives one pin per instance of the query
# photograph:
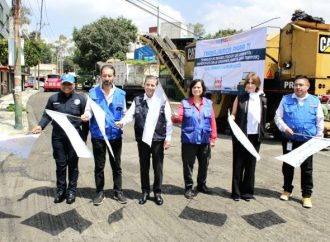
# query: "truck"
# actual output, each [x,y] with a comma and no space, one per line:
[300,48]
[130,75]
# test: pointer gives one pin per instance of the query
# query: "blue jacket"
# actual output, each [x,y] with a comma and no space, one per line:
[301,119]
[196,126]
[114,112]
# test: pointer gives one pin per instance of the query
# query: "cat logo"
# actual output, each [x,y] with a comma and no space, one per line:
[324,46]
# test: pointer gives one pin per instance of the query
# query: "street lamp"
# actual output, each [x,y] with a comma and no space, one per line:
[252,27]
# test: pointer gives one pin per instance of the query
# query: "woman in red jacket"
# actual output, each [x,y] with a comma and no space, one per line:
[198,134]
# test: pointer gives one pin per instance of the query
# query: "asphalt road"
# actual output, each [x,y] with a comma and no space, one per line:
[27,211]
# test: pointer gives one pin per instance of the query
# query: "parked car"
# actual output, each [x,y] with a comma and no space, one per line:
[324,98]
[28,82]
[52,83]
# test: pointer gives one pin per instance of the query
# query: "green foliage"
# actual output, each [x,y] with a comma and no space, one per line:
[46,53]
[11,108]
[32,52]
[223,33]
[141,62]
[68,63]
[198,29]
[3,51]
[36,50]
[101,40]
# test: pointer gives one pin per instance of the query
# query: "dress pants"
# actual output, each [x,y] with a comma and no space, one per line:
[189,152]
[157,152]
[100,150]
[306,169]
[244,165]
[65,156]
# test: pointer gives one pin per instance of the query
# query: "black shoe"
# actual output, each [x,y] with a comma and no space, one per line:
[189,194]
[98,200]
[71,198]
[235,198]
[144,198]
[158,199]
[204,189]
[247,198]
[59,197]
[119,196]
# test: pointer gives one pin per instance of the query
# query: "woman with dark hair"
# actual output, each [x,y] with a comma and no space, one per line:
[198,133]
[249,110]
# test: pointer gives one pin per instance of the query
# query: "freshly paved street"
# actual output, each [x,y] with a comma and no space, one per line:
[27,211]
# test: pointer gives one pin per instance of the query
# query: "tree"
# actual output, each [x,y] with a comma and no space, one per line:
[106,38]
[32,52]
[68,63]
[223,33]
[3,51]
[198,29]
[46,53]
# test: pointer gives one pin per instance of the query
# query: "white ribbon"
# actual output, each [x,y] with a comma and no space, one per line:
[77,143]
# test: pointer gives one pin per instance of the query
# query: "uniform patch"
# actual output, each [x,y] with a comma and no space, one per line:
[76,101]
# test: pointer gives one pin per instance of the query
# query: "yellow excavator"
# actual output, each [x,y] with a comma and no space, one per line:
[300,48]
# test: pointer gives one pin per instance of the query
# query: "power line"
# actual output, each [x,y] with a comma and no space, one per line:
[146,3]
[49,25]
[146,10]
[33,14]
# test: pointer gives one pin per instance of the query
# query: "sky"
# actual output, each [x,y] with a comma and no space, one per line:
[61,16]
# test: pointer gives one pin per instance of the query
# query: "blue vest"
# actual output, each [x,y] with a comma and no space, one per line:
[114,112]
[196,126]
[301,119]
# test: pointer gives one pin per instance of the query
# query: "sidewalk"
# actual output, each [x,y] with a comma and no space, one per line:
[7,119]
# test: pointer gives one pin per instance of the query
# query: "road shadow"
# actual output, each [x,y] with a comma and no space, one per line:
[116,216]
[264,192]
[202,216]
[7,215]
[264,219]
[56,224]
[218,191]
[172,189]
[82,192]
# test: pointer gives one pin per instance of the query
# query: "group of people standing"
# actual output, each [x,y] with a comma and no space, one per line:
[298,113]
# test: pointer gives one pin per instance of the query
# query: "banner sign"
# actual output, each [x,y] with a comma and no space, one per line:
[224,63]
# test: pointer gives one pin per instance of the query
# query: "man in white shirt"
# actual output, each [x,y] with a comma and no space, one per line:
[299,117]
[153,129]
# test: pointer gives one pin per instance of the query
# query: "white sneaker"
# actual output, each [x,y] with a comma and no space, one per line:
[307,202]
[285,196]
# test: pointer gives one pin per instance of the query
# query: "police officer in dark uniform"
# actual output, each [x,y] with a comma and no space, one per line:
[69,102]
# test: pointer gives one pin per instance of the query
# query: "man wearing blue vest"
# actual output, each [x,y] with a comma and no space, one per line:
[112,100]
[299,114]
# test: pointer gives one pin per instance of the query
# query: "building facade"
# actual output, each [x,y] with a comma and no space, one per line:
[4,19]
[175,30]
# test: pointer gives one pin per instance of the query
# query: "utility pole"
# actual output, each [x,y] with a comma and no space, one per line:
[40,25]
[158,32]
[17,92]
